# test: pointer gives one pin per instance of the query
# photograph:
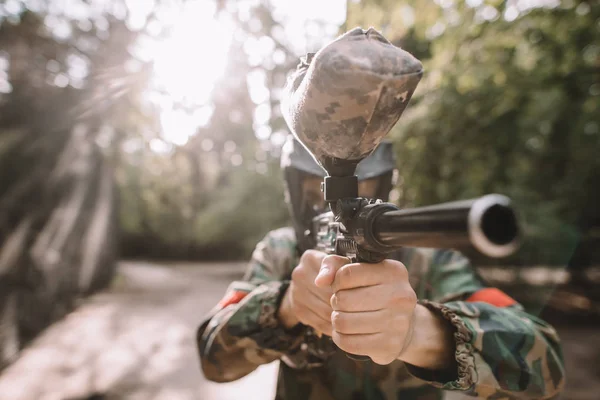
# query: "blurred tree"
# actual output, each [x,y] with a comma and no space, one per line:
[509,104]
[58,214]
[410,24]
[228,170]
[80,110]
[193,208]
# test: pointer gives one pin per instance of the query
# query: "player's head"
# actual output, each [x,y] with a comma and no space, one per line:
[303,177]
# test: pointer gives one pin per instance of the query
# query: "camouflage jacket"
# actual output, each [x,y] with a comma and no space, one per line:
[502,352]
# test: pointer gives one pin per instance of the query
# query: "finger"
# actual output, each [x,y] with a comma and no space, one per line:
[361,323]
[312,259]
[309,300]
[329,267]
[363,299]
[323,294]
[364,274]
[358,344]
[373,298]
[303,277]
[310,318]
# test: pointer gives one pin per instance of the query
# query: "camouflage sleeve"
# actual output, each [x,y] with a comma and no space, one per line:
[243,332]
[501,350]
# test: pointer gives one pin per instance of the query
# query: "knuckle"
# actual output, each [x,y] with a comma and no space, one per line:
[411,296]
[339,260]
[339,300]
[399,269]
[315,260]
[329,258]
[338,321]
[306,255]
[344,273]
[403,297]
[305,258]
[311,256]
[333,302]
[298,273]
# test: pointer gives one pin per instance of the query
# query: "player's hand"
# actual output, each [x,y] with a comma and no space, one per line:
[373,306]
[305,302]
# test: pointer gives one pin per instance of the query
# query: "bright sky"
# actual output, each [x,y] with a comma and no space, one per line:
[184,72]
[186,67]
[193,58]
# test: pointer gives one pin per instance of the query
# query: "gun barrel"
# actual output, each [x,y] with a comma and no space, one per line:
[487,223]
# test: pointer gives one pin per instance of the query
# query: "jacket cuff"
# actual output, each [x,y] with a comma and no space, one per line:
[464,375]
[264,327]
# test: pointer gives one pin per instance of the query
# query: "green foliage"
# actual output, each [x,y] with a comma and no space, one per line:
[509,104]
[249,206]
[162,219]
[217,195]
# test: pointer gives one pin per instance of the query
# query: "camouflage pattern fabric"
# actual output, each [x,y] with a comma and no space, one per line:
[501,351]
[342,101]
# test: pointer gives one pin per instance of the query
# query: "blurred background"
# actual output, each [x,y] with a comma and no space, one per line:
[139,166]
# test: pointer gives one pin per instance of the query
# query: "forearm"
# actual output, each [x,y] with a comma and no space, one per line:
[431,343]
[500,351]
[285,314]
[240,337]
[223,357]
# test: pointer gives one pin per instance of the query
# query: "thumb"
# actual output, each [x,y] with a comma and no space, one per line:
[329,267]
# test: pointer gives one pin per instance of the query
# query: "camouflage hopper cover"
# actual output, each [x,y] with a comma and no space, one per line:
[344,99]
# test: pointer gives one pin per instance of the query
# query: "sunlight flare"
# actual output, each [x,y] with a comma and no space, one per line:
[188,64]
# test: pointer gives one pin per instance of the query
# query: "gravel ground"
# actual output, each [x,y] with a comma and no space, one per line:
[136,341]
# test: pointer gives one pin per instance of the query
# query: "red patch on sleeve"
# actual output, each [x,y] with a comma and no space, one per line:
[493,296]
[232,298]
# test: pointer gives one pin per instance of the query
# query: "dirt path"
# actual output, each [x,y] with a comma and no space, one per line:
[136,341]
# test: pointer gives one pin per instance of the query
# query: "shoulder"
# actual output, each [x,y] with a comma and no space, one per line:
[278,243]
[275,255]
[424,264]
[281,237]
[426,258]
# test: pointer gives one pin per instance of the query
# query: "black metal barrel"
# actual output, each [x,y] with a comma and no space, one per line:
[487,223]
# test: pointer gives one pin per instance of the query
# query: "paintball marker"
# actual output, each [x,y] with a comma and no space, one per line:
[369,229]
[340,104]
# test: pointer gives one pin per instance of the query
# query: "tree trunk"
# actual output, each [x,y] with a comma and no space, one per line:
[62,244]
